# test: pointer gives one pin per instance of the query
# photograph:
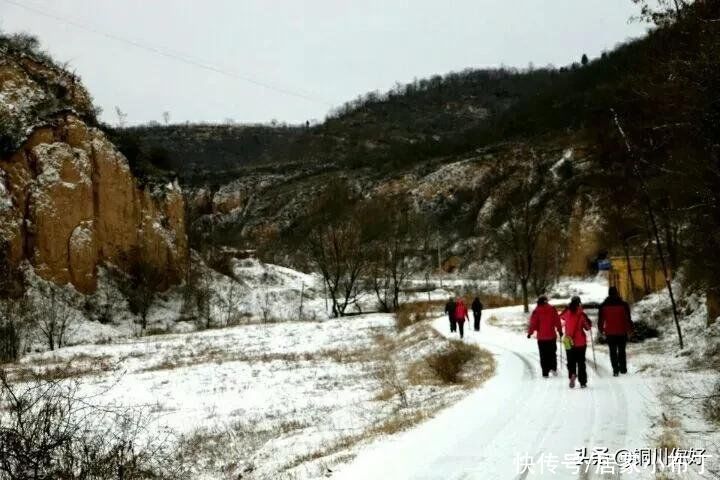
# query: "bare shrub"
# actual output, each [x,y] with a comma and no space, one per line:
[230,305]
[711,405]
[198,294]
[51,314]
[495,300]
[13,331]
[448,364]
[49,432]
[391,381]
[265,307]
[139,283]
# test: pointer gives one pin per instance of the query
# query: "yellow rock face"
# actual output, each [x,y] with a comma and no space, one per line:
[71,203]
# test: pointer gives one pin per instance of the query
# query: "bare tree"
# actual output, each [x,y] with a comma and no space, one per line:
[340,255]
[231,302]
[122,117]
[662,12]
[265,306]
[166,117]
[519,218]
[199,293]
[14,329]
[140,282]
[12,324]
[389,228]
[52,316]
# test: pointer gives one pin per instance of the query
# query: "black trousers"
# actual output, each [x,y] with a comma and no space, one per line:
[476,316]
[461,326]
[576,363]
[453,324]
[618,360]
[548,356]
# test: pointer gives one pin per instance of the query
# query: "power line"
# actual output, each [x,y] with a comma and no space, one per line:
[184,58]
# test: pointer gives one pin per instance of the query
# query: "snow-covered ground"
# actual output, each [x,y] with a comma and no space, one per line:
[253,292]
[283,400]
[519,425]
[300,399]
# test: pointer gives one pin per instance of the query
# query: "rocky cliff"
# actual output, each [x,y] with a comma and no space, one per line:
[68,200]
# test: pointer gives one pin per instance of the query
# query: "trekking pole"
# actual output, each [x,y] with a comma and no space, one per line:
[592,345]
[562,347]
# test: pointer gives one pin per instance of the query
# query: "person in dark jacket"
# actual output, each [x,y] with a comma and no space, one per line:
[477,308]
[615,323]
[546,322]
[576,322]
[450,310]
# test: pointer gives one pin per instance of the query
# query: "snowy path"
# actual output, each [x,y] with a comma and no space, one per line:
[517,412]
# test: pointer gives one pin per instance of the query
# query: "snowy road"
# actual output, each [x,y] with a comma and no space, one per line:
[516,414]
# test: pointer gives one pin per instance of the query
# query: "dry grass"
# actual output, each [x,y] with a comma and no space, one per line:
[389,426]
[55,368]
[76,358]
[58,372]
[329,448]
[493,300]
[411,313]
[448,364]
[669,437]
[398,423]
[210,354]
[384,395]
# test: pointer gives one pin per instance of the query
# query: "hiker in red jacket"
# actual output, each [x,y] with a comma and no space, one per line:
[576,322]
[546,322]
[615,323]
[461,314]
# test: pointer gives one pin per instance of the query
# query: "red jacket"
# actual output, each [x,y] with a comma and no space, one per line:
[545,321]
[461,311]
[614,317]
[575,325]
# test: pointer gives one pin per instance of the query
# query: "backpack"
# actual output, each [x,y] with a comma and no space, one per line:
[567,340]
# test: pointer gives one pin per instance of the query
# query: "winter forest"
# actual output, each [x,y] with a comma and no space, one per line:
[490,273]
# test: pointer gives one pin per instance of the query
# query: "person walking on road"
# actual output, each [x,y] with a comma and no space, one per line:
[450,310]
[477,308]
[615,322]
[546,322]
[575,341]
[461,314]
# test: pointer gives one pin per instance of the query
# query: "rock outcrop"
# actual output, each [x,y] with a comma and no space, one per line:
[68,199]
[70,204]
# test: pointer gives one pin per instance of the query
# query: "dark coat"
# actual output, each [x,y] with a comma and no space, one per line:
[477,305]
[450,309]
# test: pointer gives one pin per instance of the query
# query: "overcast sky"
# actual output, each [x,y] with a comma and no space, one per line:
[293,60]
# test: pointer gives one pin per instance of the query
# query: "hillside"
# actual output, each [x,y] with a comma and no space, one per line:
[457,149]
[370,129]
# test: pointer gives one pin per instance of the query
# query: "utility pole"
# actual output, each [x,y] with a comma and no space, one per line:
[302,295]
[325,295]
[427,285]
[440,270]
